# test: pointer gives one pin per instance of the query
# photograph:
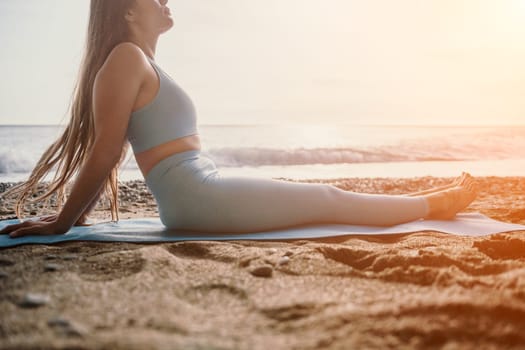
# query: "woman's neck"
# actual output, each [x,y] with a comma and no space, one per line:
[147,44]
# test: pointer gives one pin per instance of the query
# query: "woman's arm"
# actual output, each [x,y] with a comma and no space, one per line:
[81,221]
[115,90]
[95,171]
[84,216]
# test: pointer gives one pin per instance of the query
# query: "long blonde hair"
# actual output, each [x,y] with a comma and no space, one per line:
[107,28]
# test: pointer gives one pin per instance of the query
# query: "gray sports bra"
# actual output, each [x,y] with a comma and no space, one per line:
[171,115]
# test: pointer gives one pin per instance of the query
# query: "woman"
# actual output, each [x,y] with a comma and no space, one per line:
[123,94]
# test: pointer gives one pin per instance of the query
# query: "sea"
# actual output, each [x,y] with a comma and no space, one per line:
[315,151]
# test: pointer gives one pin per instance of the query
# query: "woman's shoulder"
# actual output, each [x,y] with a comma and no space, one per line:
[125,61]
[125,53]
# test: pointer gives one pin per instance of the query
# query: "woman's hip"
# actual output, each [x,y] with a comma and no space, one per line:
[180,175]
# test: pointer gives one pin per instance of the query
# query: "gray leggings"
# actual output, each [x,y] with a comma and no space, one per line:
[192,195]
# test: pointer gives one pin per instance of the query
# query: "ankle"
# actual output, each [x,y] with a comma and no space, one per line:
[435,203]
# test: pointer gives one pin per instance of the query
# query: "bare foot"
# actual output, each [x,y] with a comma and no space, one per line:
[458,181]
[444,205]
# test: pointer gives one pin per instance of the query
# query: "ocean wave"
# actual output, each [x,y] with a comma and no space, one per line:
[16,162]
[24,161]
[254,156]
[20,162]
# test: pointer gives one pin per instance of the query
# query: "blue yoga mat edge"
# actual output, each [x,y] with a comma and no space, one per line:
[151,230]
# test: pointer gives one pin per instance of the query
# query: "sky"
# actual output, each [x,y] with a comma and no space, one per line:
[403,62]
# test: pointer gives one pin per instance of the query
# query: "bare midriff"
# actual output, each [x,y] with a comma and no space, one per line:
[146,160]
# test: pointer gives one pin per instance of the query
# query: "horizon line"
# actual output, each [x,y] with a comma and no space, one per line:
[307,123]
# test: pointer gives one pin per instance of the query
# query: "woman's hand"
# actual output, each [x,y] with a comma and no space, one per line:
[82,220]
[34,227]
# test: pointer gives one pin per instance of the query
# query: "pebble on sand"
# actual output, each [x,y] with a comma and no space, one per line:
[70,257]
[52,267]
[66,327]
[262,271]
[284,260]
[31,300]
[6,262]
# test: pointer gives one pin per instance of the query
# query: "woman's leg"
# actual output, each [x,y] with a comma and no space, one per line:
[251,204]
[195,196]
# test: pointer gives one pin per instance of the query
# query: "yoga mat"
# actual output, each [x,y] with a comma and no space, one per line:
[152,230]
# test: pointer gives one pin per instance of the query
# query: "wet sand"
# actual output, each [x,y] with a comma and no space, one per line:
[419,290]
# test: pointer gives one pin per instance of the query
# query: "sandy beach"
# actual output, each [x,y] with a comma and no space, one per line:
[421,290]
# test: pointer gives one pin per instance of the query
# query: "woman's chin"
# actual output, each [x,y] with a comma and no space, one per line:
[168,26]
